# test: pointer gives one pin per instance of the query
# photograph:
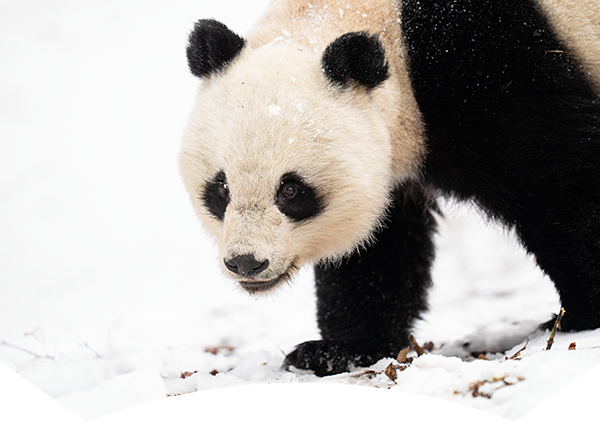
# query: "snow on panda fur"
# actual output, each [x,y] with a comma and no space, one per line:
[327,129]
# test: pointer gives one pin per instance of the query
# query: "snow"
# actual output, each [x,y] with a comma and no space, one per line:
[274,110]
[111,298]
[116,394]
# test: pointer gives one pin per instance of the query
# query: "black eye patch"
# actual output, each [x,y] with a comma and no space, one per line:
[296,199]
[216,195]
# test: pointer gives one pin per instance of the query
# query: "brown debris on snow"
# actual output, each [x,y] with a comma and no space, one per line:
[402,356]
[187,374]
[404,361]
[420,351]
[223,348]
[475,386]
[367,373]
[517,356]
[392,371]
[428,346]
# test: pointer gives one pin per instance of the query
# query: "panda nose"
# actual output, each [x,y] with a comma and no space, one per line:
[246,265]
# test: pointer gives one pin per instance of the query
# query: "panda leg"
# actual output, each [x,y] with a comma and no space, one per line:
[567,248]
[367,304]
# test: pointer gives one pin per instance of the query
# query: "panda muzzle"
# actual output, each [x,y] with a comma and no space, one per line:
[253,285]
[250,268]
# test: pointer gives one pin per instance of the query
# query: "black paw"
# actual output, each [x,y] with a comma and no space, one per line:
[326,357]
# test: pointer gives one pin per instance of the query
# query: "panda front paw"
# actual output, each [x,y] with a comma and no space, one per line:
[325,357]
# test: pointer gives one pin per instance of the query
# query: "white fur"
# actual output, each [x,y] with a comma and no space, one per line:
[257,130]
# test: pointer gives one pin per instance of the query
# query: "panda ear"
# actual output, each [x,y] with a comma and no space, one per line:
[211,47]
[356,56]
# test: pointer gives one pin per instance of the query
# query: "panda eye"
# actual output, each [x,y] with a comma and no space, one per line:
[223,189]
[216,196]
[289,191]
[296,199]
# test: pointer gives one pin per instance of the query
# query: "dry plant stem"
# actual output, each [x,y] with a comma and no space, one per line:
[556,325]
[7,344]
[420,351]
[516,355]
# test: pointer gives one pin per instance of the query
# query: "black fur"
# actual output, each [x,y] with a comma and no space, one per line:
[216,196]
[211,47]
[367,304]
[305,203]
[514,125]
[356,56]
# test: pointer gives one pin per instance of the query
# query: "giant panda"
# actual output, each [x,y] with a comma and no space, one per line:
[324,136]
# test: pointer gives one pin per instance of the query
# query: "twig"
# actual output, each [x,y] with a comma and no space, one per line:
[87,346]
[33,333]
[516,355]
[420,351]
[29,352]
[556,325]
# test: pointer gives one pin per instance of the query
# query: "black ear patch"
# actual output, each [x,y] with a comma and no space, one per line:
[211,47]
[356,56]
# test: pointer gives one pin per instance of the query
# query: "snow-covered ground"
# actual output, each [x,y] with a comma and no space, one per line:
[110,295]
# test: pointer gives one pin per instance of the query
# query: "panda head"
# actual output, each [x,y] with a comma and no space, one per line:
[285,157]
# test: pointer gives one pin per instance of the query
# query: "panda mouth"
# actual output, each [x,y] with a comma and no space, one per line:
[253,285]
